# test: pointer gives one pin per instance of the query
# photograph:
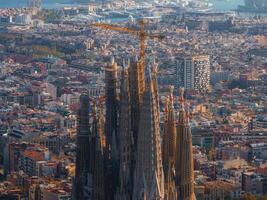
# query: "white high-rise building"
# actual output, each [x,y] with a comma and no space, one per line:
[193,73]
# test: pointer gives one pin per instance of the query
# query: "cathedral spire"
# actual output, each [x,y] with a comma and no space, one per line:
[149,177]
[111,101]
[83,148]
[126,141]
[184,178]
[166,110]
[111,129]
[101,128]
[96,159]
[169,142]
[169,137]
[182,114]
[137,88]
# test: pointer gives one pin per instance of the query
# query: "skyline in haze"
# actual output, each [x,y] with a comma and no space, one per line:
[218,5]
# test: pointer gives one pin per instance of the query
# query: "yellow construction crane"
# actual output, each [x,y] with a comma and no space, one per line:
[140,33]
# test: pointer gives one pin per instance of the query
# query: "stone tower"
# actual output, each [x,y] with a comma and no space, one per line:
[97,159]
[149,177]
[82,179]
[184,177]
[137,87]
[169,145]
[111,161]
[126,141]
[111,102]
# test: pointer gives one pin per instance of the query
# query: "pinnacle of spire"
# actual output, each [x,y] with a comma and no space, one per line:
[112,60]
[129,62]
[154,70]
[113,66]
[136,58]
[149,74]
[154,61]
[171,88]
[124,83]
[167,107]
[126,63]
[181,96]
[182,114]
[94,110]
[171,113]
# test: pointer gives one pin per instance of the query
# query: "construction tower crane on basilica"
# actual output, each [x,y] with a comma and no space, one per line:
[136,70]
[140,33]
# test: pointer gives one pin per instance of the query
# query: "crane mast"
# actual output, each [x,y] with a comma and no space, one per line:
[139,33]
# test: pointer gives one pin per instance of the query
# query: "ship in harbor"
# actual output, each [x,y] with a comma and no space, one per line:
[255,6]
